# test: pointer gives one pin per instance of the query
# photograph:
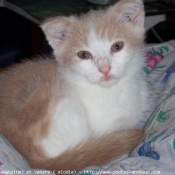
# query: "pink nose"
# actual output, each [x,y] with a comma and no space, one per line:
[105,70]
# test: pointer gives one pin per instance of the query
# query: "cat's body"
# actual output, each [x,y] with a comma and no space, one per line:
[96,89]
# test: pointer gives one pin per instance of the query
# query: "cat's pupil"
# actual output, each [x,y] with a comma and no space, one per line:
[117,46]
[84,54]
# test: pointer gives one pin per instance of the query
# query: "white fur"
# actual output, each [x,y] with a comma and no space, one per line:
[68,127]
[95,106]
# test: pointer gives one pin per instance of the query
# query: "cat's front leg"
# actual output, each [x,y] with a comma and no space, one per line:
[68,126]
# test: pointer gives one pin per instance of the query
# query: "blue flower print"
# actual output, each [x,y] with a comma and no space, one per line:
[147,150]
[170,70]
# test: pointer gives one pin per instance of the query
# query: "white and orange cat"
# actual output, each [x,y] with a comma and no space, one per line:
[79,109]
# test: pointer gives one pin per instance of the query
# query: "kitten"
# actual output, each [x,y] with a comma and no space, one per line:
[80,109]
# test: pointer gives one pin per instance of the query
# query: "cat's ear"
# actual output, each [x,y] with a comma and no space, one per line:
[56,30]
[130,11]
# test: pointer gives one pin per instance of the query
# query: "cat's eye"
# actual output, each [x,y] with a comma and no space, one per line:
[116,46]
[84,55]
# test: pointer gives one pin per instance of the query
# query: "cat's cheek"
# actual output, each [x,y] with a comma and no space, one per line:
[93,78]
[119,73]
[120,65]
[84,67]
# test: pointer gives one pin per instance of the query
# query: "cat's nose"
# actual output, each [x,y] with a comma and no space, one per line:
[104,67]
[105,70]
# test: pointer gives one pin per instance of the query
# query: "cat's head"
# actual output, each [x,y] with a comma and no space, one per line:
[98,46]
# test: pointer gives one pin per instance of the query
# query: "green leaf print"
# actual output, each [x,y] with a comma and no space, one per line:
[158,67]
[172,90]
[174,144]
[148,135]
[152,118]
[153,52]
[146,70]
[156,137]
[163,116]
[165,47]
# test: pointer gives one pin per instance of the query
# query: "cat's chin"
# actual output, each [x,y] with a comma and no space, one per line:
[103,82]
[107,84]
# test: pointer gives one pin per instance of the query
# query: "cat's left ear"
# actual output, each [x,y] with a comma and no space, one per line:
[56,30]
[130,11]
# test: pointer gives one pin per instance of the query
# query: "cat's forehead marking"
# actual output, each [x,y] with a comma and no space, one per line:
[99,46]
[108,27]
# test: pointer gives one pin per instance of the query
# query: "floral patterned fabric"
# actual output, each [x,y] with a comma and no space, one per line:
[156,152]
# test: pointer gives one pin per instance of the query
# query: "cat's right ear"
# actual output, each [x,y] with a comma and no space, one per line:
[56,30]
[130,12]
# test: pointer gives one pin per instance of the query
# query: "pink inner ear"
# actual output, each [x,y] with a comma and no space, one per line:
[54,38]
[134,18]
[134,14]
[56,30]
[58,36]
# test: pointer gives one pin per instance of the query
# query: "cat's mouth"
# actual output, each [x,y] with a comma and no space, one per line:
[103,81]
[108,80]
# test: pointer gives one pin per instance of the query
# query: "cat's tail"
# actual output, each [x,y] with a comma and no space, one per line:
[94,152]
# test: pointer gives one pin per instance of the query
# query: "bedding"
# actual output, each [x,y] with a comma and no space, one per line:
[156,152]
